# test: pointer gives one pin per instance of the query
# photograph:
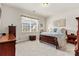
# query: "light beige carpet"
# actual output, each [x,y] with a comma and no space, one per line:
[34,48]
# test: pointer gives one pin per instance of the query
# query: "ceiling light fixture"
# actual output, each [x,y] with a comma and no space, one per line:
[45,4]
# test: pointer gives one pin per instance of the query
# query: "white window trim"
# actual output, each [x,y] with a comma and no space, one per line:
[37,29]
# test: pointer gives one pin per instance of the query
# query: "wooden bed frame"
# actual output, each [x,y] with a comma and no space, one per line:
[50,40]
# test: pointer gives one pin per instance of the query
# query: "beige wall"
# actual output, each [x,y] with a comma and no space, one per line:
[55,21]
[11,15]
[60,23]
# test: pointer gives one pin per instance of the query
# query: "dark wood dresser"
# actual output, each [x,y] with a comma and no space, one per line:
[7,45]
[12,30]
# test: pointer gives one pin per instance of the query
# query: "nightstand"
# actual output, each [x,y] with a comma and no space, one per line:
[71,38]
[32,37]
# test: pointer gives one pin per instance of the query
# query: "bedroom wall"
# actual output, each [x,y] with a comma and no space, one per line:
[71,22]
[11,15]
[55,21]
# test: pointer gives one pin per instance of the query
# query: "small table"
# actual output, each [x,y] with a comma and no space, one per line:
[32,37]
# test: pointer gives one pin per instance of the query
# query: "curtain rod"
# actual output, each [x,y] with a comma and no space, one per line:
[29,17]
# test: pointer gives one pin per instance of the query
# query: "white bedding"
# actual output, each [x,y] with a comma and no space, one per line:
[61,37]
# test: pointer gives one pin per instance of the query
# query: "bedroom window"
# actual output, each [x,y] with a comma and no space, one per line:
[29,24]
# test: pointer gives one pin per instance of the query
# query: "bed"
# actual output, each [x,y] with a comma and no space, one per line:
[57,37]
[49,39]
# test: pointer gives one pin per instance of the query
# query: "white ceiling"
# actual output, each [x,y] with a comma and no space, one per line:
[52,9]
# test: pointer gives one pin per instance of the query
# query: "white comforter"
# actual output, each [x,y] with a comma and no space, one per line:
[61,37]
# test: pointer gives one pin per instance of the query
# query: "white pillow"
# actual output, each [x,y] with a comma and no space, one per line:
[63,30]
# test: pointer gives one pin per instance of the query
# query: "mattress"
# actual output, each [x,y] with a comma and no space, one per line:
[51,34]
